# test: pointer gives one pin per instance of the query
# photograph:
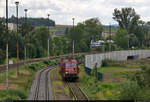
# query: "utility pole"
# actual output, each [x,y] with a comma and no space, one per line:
[25,50]
[6,45]
[17,46]
[73,39]
[48,37]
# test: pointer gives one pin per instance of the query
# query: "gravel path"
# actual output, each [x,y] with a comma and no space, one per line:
[41,87]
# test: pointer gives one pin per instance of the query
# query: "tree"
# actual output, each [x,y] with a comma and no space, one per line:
[2,42]
[76,34]
[147,35]
[25,28]
[93,28]
[127,19]
[133,40]
[38,38]
[84,32]
[121,38]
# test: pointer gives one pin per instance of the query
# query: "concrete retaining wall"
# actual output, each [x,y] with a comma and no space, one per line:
[90,60]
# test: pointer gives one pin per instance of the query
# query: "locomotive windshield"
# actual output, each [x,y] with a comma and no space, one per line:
[70,65]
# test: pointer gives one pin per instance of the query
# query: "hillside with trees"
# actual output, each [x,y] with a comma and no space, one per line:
[33,21]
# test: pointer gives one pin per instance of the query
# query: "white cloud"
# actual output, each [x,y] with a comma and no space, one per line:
[62,11]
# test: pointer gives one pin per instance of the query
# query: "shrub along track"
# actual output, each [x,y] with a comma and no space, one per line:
[76,91]
[41,87]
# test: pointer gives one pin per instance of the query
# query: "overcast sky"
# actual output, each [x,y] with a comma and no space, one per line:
[62,11]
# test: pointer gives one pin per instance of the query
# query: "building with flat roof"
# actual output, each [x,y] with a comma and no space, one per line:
[12,26]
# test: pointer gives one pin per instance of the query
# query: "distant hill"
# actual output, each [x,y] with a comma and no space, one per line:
[33,21]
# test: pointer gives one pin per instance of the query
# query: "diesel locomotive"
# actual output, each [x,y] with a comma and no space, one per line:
[69,68]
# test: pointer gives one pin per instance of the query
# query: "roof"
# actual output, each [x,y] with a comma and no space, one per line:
[65,26]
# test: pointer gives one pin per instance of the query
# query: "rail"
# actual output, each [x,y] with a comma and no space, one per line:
[77,92]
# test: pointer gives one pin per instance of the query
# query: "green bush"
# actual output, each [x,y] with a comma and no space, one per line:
[105,62]
[12,95]
[129,91]
[32,66]
[46,62]
[142,77]
[19,93]
[51,62]
[35,66]
[144,94]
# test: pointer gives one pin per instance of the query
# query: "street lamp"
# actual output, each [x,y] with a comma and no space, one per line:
[25,10]
[48,37]
[25,51]
[17,46]
[7,45]
[110,36]
[73,39]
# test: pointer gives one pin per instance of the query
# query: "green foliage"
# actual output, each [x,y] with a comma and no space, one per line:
[105,63]
[83,33]
[137,29]
[33,21]
[35,66]
[51,62]
[59,46]
[92,89]
[23,85]
[125,74]
[46,62]
[2,42]
[129,91]
[12,95]
[121,38]
[142,77]
[127,18]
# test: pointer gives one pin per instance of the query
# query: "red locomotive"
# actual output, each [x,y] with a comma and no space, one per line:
[69,68]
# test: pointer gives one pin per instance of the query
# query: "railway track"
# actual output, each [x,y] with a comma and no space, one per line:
[41,88]
[77,92]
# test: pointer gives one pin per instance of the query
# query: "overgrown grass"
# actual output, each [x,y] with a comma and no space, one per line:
[13,95]
[104,69]
[23,82]
[58,86]
[99,90]
[128,89]
[124,74]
